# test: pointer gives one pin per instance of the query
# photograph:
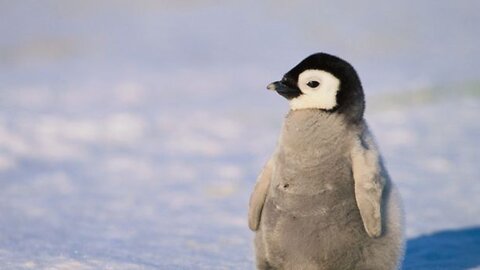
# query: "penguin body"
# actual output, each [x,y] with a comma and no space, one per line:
[324,200]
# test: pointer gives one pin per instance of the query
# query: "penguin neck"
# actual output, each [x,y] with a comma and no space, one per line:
[311,128]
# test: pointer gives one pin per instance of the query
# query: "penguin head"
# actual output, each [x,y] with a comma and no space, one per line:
[324,82]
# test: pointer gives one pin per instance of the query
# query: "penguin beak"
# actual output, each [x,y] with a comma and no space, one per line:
[284,90]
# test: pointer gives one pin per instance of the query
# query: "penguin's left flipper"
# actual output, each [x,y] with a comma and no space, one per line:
[370,179]
[257,199]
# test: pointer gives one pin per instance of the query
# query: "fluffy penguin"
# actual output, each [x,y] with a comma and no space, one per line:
[324,200]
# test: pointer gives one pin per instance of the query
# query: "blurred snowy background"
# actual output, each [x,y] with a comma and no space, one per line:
[131,132]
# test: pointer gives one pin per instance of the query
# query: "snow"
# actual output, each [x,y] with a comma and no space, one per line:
[131,134]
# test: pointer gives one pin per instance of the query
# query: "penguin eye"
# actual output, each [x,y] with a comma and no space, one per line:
[313,84]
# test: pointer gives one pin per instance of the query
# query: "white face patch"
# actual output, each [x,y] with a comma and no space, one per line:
[319,90]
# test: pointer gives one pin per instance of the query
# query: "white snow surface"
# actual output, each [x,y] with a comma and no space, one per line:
[132,132]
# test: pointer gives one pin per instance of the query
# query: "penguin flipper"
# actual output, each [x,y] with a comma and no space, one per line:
[370,178]
[257,199]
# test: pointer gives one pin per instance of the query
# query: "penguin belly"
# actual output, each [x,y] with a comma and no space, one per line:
[313,226]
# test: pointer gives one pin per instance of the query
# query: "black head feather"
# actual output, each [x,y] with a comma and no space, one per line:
[350,97]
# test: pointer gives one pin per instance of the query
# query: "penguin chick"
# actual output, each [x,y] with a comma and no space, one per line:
[324,200]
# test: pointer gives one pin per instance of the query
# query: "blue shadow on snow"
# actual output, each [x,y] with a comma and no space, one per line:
[452,250]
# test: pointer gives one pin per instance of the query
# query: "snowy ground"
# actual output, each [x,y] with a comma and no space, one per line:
[131,134]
